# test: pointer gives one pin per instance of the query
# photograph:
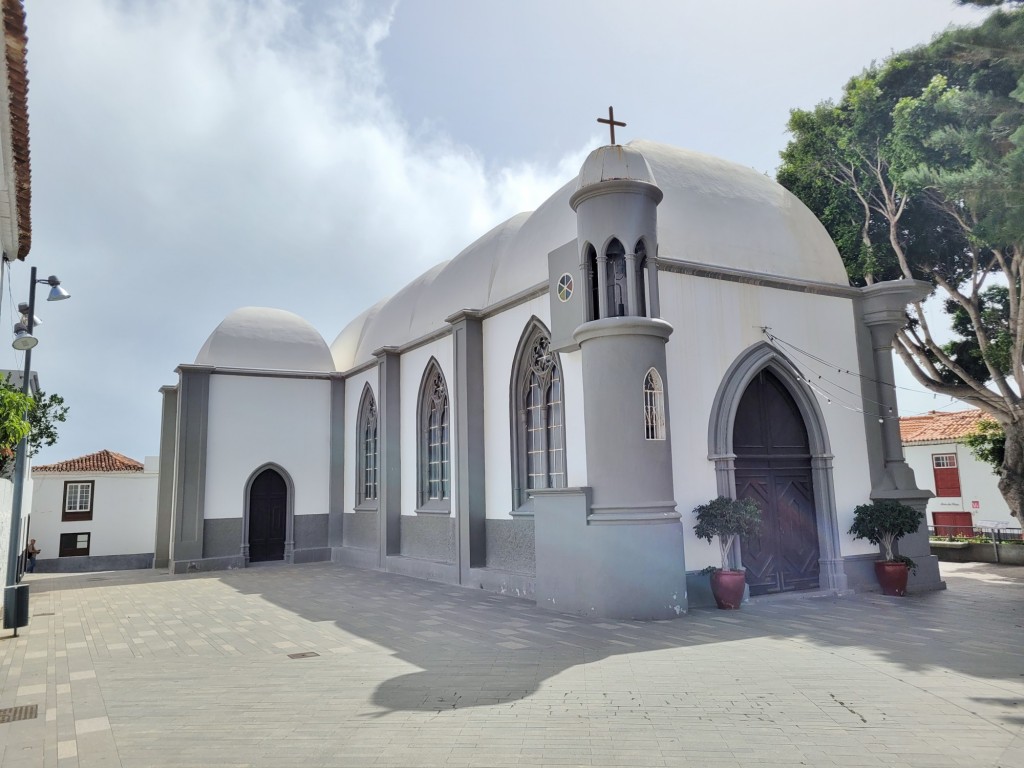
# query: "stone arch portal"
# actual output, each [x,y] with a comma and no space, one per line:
[267,530]
[773,382]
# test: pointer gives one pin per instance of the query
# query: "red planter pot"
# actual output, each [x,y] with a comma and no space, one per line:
[892,576]
[727,587]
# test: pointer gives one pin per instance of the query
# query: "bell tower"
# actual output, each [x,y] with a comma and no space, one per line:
[629,556]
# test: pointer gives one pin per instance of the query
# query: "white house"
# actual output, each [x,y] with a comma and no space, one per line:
[540,414]
[966,489]
[94,513]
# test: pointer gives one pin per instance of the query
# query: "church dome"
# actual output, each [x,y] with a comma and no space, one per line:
[612,163]
[714,213]
[266,339]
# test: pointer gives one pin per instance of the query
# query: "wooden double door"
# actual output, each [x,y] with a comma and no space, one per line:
[268,516]
[773,467]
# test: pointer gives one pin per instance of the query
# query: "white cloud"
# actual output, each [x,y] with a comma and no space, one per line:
[225,154]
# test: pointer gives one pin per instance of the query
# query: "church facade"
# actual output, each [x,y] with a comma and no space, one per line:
[539,415]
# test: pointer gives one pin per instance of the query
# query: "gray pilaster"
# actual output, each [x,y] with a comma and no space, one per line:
[468,335]
[336,510]
[389,403]
[631,287]
[165,480]
[883,311]
[190,468]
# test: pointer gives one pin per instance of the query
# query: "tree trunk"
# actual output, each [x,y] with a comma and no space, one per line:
[1011,474]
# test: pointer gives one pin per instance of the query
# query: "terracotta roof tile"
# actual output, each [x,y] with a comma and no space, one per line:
[101,461]
[939,426]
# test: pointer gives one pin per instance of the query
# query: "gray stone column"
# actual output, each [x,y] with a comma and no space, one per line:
[602,286]
[468,336]
[165,480]
[190,468]
[336,508]
[883,310]
[389,410]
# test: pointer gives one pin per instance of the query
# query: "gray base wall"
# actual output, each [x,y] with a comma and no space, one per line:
[361,530]
[309,531]
[428,537]
[95,563]
[624,571]
[503,582]
[698,590]
[1009,554]
[222,537]
[510,545]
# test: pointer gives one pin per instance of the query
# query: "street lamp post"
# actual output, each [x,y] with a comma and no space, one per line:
[24,340]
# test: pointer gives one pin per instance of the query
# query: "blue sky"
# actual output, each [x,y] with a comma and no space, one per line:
[194,156]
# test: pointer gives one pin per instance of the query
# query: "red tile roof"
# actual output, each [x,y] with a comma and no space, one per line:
[15,42]
[101,461]
[938,426]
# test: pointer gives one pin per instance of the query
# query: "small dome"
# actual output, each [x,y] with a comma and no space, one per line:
[613,163]
[266,339]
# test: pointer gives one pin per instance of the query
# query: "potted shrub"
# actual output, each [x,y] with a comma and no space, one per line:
[727,519]
[885,523]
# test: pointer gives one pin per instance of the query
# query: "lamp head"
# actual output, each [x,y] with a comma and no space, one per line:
[23,311]
[56,292]
[23,340]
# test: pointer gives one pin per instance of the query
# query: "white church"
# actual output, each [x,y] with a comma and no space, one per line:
[539,415]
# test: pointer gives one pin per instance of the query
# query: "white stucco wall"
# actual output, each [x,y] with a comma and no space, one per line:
[978,483]
[502,333]
[123,514]
[6,494]
[414,364]
[353,396]
[259,419]
[714,322]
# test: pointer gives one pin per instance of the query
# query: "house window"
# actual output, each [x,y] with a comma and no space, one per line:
[947,474]
[539,415]
[434,442]
[78,497]
[367,452]
[74,545]
[654,406]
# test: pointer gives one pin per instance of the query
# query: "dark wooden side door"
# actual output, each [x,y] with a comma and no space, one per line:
[268,509]
[773,467]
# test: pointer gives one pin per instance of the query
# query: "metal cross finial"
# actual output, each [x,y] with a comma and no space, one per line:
[611,122]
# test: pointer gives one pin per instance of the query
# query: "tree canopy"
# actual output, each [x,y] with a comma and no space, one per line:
[26,416]
[918,173]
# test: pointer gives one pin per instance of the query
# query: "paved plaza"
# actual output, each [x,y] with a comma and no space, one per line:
[139,668]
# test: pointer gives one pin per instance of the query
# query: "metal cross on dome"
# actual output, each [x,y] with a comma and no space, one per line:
[611,122]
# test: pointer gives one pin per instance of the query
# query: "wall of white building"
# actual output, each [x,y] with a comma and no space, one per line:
[123,517]
[978,484]
[354,386]
[714,322]
[414,364]
[255,420]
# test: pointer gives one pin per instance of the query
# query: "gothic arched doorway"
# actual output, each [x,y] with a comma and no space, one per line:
[773,467]
[268,516]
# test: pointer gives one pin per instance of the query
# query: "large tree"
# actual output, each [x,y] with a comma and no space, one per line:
[918,173]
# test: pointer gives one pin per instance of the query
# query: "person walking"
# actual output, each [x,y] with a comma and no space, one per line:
[30,556]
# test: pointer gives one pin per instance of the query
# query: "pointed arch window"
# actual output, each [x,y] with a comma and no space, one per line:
[642,277]
[654,406]
[367,452]
[617,282]
[434,443]
[539,418]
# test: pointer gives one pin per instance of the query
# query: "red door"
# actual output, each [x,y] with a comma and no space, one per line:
[953,523]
